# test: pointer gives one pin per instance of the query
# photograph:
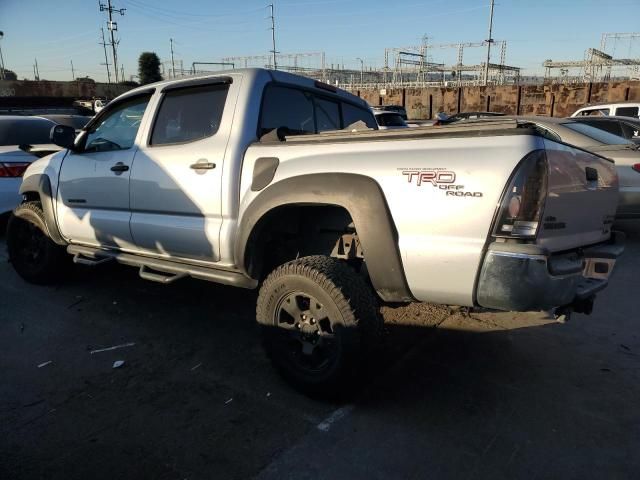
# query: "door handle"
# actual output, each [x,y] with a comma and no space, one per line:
[120,167]
[202,166]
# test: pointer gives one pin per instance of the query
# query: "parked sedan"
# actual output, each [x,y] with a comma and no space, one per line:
[624,153]
[22,140]
[389,120]
[626,127]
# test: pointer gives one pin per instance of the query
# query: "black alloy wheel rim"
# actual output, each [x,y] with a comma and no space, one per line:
[308,332]
[30,244]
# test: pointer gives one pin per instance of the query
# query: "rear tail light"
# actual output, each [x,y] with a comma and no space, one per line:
[636,167]
[13,169]
[522,203]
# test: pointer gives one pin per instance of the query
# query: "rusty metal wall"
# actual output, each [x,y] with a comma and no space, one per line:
[72,90]
[554,100]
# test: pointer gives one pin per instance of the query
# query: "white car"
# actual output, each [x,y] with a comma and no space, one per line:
[626,109]
[18,136]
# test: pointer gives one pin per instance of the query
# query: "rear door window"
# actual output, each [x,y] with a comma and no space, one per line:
[327,115]
[189,114]
[289,108]
[627,111]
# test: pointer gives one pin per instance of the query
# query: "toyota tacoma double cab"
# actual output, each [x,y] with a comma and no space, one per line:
[263,179]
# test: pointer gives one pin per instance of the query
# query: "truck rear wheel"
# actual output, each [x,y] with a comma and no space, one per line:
[319,319]
[32,253]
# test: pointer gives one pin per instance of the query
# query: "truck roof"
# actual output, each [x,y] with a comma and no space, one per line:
[253,74]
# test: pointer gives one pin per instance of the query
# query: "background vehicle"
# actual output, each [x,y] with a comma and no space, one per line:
[75,121]
[14,160]
[391,108]
[229,186]
[468,116]
[624,153]
[387,120]
[626,127]
[627,109]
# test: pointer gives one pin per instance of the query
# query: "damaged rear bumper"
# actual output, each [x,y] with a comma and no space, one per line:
[525,277]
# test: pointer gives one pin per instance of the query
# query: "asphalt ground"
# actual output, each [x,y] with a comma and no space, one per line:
[451,395]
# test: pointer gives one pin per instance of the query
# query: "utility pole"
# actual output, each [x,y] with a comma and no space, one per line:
[273,37]
[2,74]
[73,73]
[173,65]
[112,27]
[106,58]
[489,42]
[361,70]
[122,72]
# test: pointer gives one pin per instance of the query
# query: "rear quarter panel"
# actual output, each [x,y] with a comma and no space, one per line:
[441,235]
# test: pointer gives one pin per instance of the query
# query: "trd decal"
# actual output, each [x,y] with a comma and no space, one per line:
[434,177]
[439,178]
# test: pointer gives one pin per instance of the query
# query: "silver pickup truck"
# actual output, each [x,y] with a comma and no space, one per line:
[258,178]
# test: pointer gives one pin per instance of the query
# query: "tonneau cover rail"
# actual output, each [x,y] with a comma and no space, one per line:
[467,128]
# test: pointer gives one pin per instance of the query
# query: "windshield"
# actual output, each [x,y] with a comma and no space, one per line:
[597,134]
[20,131]
[390,120]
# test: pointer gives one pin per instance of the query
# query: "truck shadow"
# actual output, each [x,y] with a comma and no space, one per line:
[471,388]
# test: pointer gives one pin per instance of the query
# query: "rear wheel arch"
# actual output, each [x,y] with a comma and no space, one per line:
[358,195]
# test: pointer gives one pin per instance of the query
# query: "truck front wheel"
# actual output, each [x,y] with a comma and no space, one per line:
[319,318]
[32,253]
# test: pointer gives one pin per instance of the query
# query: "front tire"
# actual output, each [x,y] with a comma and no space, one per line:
[34,256]
[319,319]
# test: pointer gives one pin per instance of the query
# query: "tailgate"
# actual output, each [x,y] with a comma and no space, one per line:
[582,198]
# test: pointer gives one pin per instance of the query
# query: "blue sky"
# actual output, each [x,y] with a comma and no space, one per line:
[207,30]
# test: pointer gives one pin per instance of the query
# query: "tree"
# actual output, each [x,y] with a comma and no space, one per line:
[129,83]
[10,75]
[149,68]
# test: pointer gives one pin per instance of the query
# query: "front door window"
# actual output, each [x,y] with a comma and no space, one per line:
[118,129]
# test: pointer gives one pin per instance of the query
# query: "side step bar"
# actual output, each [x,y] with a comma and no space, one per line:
[174,270]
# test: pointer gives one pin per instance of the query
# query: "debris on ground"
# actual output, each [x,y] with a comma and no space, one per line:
[124,345]
[45,364]
[228,401]
[118,363]
[79,300]
[195,367]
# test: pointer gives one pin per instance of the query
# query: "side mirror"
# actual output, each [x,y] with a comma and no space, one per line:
[63,136]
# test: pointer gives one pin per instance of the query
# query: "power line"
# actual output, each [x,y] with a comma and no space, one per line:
[112,27]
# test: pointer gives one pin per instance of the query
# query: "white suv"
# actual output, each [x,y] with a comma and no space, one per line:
[610,109]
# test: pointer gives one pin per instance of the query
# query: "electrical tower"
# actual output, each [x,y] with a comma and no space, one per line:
[112,27]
